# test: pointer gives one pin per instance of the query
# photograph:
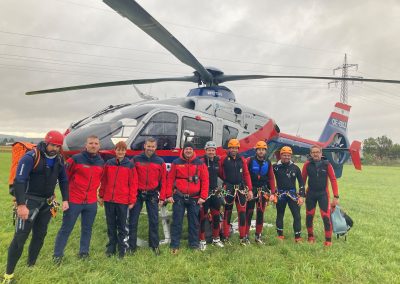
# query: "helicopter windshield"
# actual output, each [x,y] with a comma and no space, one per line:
[110,125]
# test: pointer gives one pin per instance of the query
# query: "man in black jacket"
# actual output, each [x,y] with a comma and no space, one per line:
[214,201]
[34,191]
[286,173]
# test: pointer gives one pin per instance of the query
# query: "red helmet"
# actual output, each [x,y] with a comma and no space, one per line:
[54,137]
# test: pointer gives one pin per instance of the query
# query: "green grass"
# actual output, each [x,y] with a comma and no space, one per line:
[370,255]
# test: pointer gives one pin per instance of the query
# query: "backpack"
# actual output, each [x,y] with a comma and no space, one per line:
[341,222]
[19,149]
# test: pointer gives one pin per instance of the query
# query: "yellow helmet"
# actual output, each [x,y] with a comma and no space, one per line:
[261,145]
[286,150]
[233,143]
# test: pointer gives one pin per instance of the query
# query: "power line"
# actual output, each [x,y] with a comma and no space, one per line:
[190,27]
[74,63]
[205,58]
[82,42]
[47,70]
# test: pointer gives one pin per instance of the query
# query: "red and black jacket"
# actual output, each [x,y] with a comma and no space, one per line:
[318,173]
[84,175]
[261,173]
[181,177]
[119,182]
[152,173]
[234,171]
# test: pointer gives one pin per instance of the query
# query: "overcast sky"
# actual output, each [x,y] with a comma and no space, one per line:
[57,43]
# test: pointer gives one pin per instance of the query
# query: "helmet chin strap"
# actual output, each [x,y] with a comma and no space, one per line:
[50,155]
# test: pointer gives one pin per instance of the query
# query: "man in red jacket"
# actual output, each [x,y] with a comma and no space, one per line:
[152,176]
[235,174]
[187,188]
[118,191]
[318,171]
[84,171]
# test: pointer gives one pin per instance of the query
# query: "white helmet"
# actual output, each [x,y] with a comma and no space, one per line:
[210,144]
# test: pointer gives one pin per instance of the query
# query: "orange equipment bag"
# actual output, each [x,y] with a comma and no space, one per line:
[19,149]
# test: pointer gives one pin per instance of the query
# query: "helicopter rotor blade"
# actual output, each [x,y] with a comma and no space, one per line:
[141,18]
[227,78]
[192,79]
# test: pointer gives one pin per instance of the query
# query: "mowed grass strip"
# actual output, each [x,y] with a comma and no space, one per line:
[371,253]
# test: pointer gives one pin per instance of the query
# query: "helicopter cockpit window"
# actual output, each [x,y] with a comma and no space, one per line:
[196,131]
[110,126]
[228,133]
[163,127]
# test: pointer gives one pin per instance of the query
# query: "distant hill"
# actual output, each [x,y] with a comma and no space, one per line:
[20,138]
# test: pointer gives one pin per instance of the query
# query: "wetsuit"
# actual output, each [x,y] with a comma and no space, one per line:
[235,175]
[35,188]
[318,173]
[213,202]
[286,175]
[263,181]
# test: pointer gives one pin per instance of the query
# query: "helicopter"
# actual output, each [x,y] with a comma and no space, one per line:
[208,112]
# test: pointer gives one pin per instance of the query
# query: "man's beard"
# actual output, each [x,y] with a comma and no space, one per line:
[51,154]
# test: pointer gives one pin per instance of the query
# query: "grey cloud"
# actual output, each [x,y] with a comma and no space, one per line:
[313,35]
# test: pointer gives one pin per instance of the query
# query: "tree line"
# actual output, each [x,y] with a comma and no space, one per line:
[381,151]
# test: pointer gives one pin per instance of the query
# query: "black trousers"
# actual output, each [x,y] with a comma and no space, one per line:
[38,226]
[116,215]
[280,213]
[151,200]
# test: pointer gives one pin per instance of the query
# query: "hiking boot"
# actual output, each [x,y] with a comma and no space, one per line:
[259,241]
[298,240]
[311,240]
[243,242]
[280,238]
[174,251]
[156,251]
[227,242]
[57,260]
[8,278]
[83,255]
[217,242]
[327,244]
[203,245]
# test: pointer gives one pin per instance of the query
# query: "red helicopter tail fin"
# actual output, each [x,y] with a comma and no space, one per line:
[354,150]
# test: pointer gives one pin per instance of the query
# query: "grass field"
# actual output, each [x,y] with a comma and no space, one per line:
[371,253]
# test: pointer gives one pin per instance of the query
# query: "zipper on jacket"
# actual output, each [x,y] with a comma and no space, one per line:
[87,191]
[147,175]
[115,181]
[188,183]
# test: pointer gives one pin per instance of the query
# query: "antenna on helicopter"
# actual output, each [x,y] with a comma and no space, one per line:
[143,95]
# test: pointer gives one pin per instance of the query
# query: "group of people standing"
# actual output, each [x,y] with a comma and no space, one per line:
[122,185]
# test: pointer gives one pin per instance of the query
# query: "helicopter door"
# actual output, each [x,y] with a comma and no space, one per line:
[228,133]
[197,131]
[163,127]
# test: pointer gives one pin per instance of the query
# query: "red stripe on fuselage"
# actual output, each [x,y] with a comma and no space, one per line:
[265,133]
